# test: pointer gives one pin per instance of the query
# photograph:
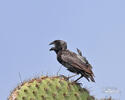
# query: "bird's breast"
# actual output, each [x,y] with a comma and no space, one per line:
[63,63]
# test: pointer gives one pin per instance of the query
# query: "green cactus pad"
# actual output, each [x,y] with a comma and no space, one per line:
[50,88]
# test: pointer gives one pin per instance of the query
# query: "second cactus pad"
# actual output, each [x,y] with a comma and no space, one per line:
[50,88]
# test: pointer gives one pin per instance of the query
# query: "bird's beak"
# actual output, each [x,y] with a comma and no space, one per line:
[53,48]
[51,43]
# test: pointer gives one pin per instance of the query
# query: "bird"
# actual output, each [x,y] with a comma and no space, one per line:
[74,63]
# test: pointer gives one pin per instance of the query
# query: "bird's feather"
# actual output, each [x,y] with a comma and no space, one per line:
[73,60]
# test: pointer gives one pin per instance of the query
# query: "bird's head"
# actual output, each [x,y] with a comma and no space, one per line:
[58,45]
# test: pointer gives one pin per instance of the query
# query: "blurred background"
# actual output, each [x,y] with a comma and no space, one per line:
[96,27]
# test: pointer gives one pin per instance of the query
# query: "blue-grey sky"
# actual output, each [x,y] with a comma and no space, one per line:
[96,27]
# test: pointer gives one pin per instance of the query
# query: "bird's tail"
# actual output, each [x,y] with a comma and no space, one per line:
[92,79]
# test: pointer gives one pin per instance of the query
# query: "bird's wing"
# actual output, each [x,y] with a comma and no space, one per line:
[79,52]
[83,58]
[73,60]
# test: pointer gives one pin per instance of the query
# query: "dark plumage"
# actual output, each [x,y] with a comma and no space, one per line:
[75,63]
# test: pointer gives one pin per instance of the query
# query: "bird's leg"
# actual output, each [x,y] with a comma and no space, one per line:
[59,70]
[78,78]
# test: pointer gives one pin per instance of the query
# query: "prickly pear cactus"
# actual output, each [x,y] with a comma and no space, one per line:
[50,88]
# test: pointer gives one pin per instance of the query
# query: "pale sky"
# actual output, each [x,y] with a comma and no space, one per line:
[96,27]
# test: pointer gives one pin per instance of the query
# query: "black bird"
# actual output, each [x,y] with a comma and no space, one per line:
[75,63]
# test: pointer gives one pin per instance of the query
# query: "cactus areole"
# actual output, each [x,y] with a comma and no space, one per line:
[49,88]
